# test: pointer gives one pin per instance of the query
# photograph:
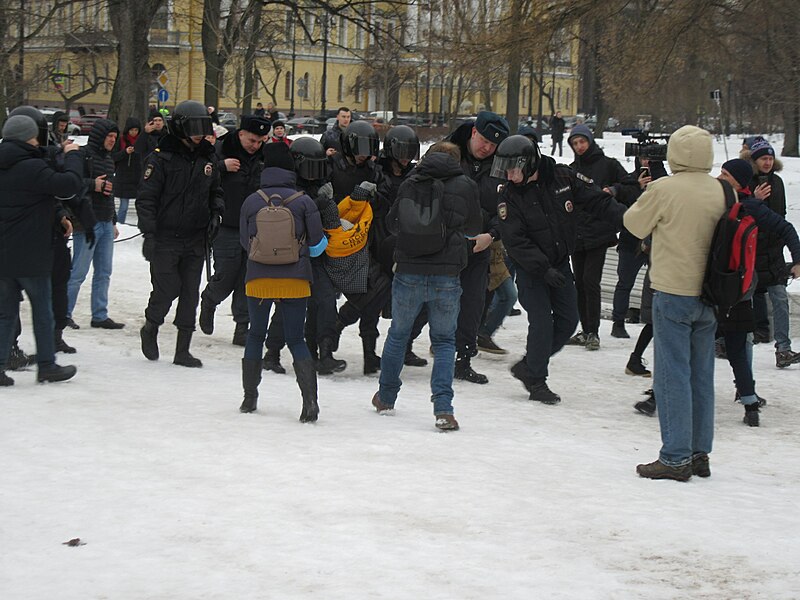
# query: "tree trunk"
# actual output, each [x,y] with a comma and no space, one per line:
[131,24]
[791,124]
[250,60]
[210,33]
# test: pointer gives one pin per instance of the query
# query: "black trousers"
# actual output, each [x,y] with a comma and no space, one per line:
[474,280]
[230,267]
[367,308]
[62,263]
[175,272]
[588,265]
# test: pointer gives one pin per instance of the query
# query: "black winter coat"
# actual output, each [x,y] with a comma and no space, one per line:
[538,220]
[147,143]
[180,191]
[332,138]
[478,171]
[29,188]
[239,185]
[557,128]
[770,263]
[97,162]
[603,171]
[128,167]
[462,208]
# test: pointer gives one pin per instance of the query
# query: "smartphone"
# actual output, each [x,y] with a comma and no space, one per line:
[762,179]
[645,172]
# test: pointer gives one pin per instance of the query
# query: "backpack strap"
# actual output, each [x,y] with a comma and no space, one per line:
[730,194]
[268,199]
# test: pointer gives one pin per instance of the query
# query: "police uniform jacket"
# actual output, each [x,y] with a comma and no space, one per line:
[237,186]
[538,220]
[180,191]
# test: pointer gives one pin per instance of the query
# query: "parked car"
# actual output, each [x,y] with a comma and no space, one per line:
[306,125]
[228,120]
[329,123]
[72,128]
[87,121]
[410,120]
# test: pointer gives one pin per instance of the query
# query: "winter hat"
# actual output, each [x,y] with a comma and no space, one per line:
[529,132]
[750,140]
[581,130]
[492,126]
[254,124]
[761,148]
[740,170]
[154,114]
[21,128]
[277,155]
[278,124]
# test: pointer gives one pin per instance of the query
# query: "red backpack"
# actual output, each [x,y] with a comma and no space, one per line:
[731,272]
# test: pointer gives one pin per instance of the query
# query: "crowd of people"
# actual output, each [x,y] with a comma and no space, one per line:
[450,240]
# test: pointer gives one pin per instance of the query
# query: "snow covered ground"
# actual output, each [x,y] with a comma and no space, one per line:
[179,496]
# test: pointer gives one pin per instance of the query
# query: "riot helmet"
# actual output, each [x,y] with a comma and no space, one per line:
[401,143]
[43,136]
[360,139]
[190,119]
[310,161]
[515,152]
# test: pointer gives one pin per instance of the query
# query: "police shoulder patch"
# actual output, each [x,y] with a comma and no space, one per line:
[148,171]
[584,178]
[502,211]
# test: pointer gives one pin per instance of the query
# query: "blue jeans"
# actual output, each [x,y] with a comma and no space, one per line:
[505,296]
[38,290]
[122,211]
[442,296]
[683,331]
[100,257]
[294,316]
[780,314]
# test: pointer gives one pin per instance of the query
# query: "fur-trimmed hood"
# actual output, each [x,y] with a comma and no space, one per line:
[777,168]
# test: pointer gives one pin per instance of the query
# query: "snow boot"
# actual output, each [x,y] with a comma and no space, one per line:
[206,319]
[149,335]
[646,407]
[306,376]
[372,362]
[240,334]
[272,362]
[446,423]
[465,372]
[251,377]
[541,393]
[55,373]
[5,380]
[751,414]
[618,330]
[61,345]
[636,366]
[182,355]
[17,359]
[658,470]
[486,344]
[380,406]
[327,364]
[411,359]
[521,372]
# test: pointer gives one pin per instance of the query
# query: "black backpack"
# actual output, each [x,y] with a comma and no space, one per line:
[421,219]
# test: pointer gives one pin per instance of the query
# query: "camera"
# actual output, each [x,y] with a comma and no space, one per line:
[647,145]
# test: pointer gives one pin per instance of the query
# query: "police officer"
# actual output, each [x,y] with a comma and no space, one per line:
[478,142]
[180,208]
[241,160]
[537,213]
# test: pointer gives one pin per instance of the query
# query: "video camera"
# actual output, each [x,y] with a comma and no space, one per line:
[647,144]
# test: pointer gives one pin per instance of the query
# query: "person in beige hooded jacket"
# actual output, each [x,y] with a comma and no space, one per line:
[681,213]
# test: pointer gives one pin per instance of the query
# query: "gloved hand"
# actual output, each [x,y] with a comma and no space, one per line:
[364,191]
[369,186]
[213,227]
[326,191]
[149,248]
[555,278]
[90,238]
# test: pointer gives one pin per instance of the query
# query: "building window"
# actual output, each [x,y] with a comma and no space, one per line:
[105,87]
[357,89]
[558,98]
[569,101]
[287,85]
[343,32]
[524,96]
[340,94]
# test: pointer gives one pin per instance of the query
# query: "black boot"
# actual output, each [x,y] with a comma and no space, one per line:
[636,366]
[751,414]
[618,330]
[55,373]
[251,377]
[372,362]
[306,377]
[411,359]
[647,407]
[17,359]
[5,380]
[206,319]
[541,393]
[240,334]
[149,335]
[182,355]
[61,345]
[327,364]
[272,362]
[465,372]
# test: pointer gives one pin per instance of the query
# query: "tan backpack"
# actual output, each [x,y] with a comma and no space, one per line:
[275,242]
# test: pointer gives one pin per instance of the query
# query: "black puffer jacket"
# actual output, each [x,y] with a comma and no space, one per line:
[332,138]
[770,263]
[603,171]
[28,191]
[239,185]
[146,143]
[180,191]
[538,220]
[478,171]
[97,162]
[462,210]
[128,166]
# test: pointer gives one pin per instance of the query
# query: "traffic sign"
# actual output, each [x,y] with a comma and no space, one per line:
[162,79]
[302,87]
[163,95]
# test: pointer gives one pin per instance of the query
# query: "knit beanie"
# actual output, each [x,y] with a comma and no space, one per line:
[21,128]
[277,155]
[580,130]
[740,169]
[761,148]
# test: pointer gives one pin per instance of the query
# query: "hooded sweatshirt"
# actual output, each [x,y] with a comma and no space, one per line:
[128,165]
[681,213]
[98,162]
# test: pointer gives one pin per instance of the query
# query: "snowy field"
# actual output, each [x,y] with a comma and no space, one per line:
[179,496]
